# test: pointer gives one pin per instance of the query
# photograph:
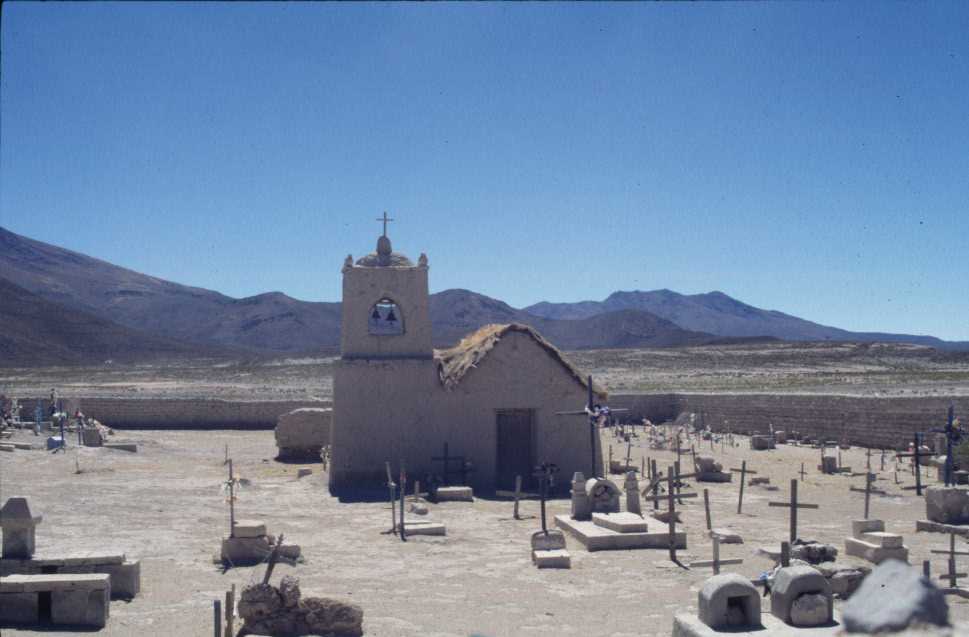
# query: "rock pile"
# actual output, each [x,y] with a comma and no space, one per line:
[283,612]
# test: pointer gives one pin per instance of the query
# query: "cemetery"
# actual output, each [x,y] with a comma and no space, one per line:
[514,486]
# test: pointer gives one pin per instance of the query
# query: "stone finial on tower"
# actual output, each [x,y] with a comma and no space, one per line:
[347,263]
[422,261]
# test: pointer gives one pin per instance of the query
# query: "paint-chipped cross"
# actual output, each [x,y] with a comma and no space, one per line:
[793,505]
[868,490]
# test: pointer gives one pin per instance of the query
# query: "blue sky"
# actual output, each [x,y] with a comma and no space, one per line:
[811,158]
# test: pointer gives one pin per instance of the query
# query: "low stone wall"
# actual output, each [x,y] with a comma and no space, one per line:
[181,413]
[868,421]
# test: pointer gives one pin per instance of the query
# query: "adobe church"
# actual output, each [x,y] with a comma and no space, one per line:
[492,398]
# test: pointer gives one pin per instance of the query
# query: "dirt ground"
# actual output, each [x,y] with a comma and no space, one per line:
[164,506]
[864,369]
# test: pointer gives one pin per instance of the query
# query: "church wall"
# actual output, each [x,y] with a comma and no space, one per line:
[392,409]
[518,374]
[407,287]
[382,410]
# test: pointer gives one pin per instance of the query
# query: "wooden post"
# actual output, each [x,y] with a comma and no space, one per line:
[952,560]
[273,558]
[403,490]
[656,488]
[518,490]
[785,554]
[794,505]
[802,472]
[232,502]
[706,506]
[230,611]
[217,608]
[927,569]
[672,514]
[716,555]
[393,498]
[743,479]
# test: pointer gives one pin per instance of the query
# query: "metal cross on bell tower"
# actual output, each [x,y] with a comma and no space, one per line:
[385,219]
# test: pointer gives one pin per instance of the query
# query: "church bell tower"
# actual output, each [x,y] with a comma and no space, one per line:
[385,305]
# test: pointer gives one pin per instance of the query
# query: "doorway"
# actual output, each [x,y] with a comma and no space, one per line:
[515,447]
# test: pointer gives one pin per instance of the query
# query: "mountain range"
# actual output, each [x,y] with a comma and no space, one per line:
[61,306]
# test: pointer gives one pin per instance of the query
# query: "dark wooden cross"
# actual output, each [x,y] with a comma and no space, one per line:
[385,219]
[671,504]
[403,491]
[446,460]
[716,562]
[393,498]
[802,472]
[868,490]
[629,454]
[231,483]
[952,575]
[517,494]
[706,508]
[794,505]
[593,412]
[743,470]
[545,473]
[916,454]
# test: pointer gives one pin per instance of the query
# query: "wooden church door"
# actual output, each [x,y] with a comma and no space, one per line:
[515,447]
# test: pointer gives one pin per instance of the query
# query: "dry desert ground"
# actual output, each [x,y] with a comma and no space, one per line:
[164,506]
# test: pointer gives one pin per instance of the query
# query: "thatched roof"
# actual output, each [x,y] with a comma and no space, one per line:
[454,363]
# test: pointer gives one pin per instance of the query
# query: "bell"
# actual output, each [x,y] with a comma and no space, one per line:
[390,316]
[376,315]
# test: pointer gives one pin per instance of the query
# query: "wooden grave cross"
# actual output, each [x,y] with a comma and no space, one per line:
[868,490]
[743,471]
[447,460]
[716,562]
[915,455]
[403,491]
[629,454]
[545,473]
[793,505]
[952,575]
[706,508]
[802,472]
[393,498]
[671,497]
[593,412]
[517,494]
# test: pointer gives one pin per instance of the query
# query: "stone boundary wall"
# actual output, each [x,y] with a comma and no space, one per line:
[179,413]
[869,421]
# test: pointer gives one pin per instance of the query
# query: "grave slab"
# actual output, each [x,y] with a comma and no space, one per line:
[685,625]
[555,558]
[874,553]
[248,528]
[727,536]
[596,538]
[19,608]
[422,527]
[623,522]
[455,494]
[80,607]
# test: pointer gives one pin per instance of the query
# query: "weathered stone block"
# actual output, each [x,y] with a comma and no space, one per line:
[454,494]
[19,608]
[245,550]
[19,526]
[81,607]
[947,505]
[792,582]
[302,433]
[893,597]
[623,522]
[729,601]
[603,495]
[248,528]
[557,558]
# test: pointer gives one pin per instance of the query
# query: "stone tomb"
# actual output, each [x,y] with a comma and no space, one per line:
[870,542]
[947,505]
[454,494]
[730,604]
[709,470]
[760,442]
[598,524]
[250,544]
[75,600]
[19,557]
[801,596]
[829,465]
[302,433]
[548,550]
